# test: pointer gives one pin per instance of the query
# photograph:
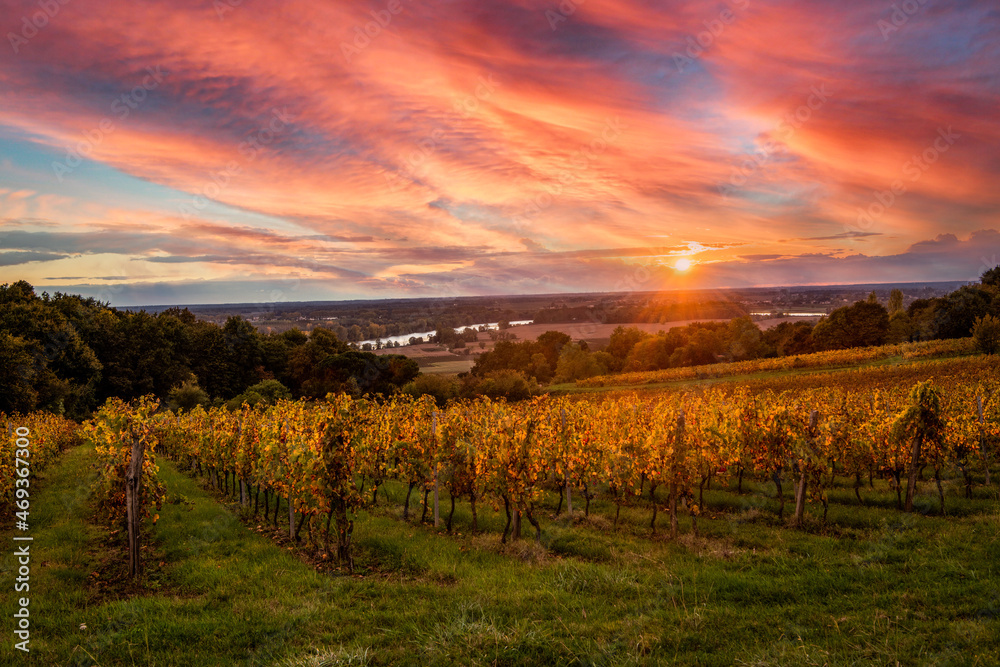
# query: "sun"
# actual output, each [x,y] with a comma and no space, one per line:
[683,264]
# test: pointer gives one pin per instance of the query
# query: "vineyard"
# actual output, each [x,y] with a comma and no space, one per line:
[849,357]
[32,443]
[649,516]
[660,452]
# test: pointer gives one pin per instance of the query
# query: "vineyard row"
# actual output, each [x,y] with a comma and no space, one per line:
[322,456]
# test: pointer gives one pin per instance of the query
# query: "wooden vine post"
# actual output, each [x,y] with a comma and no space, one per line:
[982,440]
[133,506]
[913,469]
[800,489]
[291,499]
[244,492]
[569,493]
[434,430]
[674,472]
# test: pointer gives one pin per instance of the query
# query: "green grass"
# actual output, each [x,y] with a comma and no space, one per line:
[450,367]
[872,586]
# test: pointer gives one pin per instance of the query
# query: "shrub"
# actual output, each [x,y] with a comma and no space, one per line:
[986,333]
[508,384]
[267,392]
[440,387]
[187,396]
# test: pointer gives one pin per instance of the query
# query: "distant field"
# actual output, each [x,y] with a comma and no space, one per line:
[449,367]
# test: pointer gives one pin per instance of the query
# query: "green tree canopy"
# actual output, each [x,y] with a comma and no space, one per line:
[859,325]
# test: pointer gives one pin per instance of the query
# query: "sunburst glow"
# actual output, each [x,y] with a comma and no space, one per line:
[683,264]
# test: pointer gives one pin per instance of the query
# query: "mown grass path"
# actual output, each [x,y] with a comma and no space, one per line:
[875,587]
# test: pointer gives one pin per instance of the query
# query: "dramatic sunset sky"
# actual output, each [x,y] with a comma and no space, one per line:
[190,151]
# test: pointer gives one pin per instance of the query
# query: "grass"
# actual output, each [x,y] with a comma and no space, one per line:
[450,367]
[871,586]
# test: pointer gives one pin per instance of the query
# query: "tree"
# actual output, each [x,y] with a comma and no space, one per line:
[187,396]
[210,360]
[533,358]
[790,338]
[540,368]
[901,328]
[652,353]
[576,363]
[986,332]
[505,354]
[65,373]
[872,297]
[319,373]
[395,371]
[267,392]
[551,344]
[957,312]
[507,384]
[860,325]
[622,341]
[922,313]
[17,375]
[746,340]
[895,302]
[991,277]
[243,344]
[440,387]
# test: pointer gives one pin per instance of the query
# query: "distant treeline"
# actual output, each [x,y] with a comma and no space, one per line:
[68,354]
[653,311]
[969,310]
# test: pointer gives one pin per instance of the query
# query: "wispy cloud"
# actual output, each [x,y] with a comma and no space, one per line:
[16,258]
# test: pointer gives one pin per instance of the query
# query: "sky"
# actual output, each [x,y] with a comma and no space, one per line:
[215,151]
